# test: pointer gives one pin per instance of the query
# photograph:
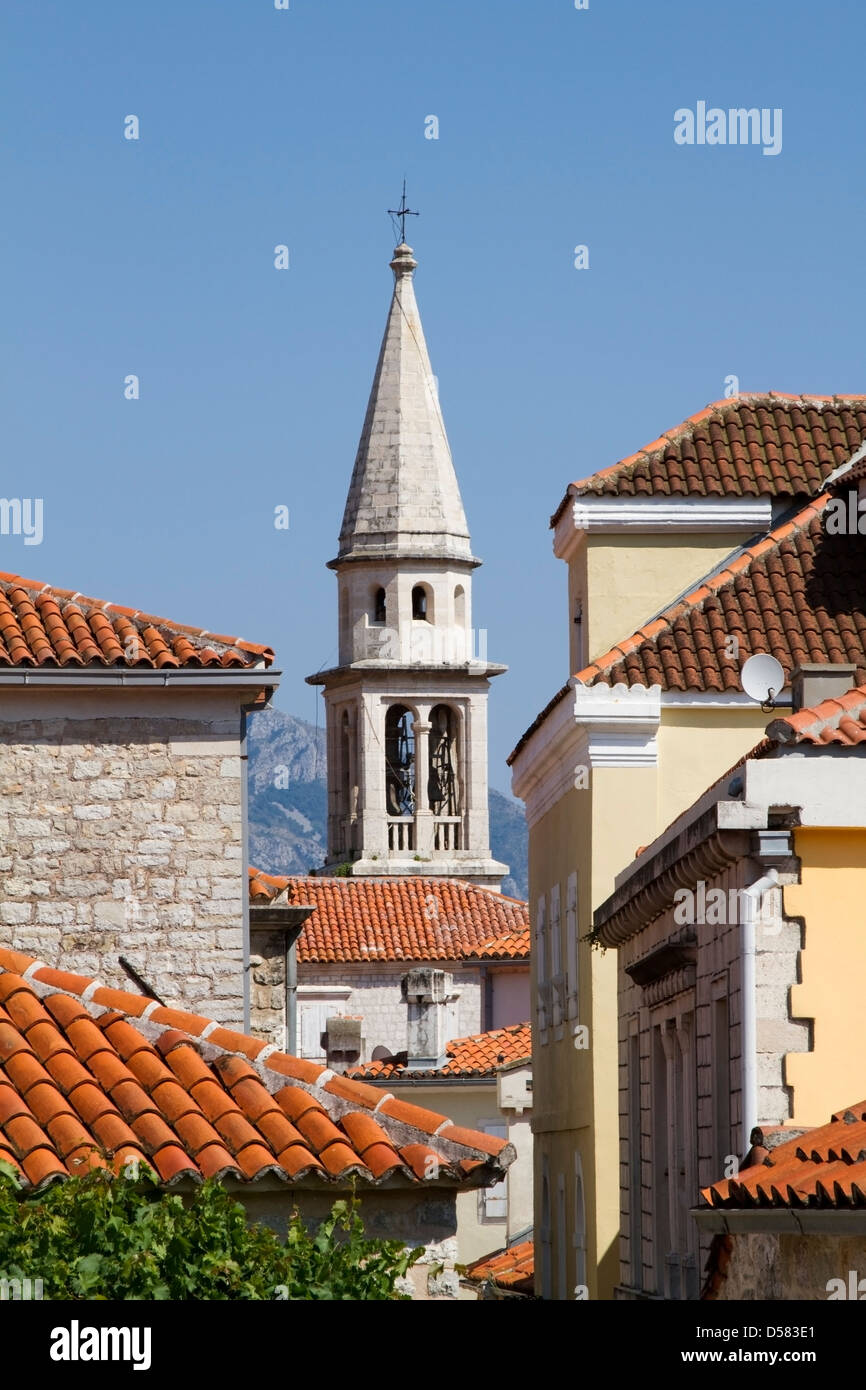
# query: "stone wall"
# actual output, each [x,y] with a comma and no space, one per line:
[764,1266]
[376,996]
[121,833]
[415,1217]
[268,985]
[691,994]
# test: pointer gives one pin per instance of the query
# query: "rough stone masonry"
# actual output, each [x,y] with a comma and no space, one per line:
[121,834]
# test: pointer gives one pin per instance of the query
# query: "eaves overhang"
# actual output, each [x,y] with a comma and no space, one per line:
[586,513]
[109,677]
[718,838]
[804,1221]
[482,669]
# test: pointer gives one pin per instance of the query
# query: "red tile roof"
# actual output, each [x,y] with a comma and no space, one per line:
[798,593]
[44,626]
[266,888]
[95,1076]
[513,946]
[478,1055]
[393,919]
[823,1167]
[841,719]
[766,445]
[512,1268]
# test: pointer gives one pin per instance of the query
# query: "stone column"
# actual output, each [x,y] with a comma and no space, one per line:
[352,808]
[423,815]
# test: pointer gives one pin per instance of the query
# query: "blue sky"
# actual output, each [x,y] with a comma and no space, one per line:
[260,127]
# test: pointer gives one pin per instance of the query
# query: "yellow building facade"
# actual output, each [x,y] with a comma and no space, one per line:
[661,555]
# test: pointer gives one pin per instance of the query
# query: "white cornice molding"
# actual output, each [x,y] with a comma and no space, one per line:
[544,769]
[593,726]
[622,705]
[656,515]
[622,723]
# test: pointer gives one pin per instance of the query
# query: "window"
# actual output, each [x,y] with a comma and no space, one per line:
[661,1200]
[562,1249]
[379,606]
[316,1004]
[571,946]
[493,1200]
[634,1163]
[721,1036]
[557,980]
[460,606]
[442,786]
[344,618]
[541,967]
[579,1225]
[344,789]
[546,1250]
[674,1152]
[400,761]
[419,603]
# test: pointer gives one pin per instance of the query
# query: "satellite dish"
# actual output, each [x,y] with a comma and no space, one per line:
[762,678]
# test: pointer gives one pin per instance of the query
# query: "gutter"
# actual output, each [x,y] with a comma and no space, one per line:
[754,897]
[289,919]
[195,677]
[291,998]
[245,862]
[803,1221]
[386,1083]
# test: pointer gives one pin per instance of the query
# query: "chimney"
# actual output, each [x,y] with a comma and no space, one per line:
[345,1041]
[427,994]
[812,683]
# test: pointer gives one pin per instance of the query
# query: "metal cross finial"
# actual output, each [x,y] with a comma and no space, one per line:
[402,212]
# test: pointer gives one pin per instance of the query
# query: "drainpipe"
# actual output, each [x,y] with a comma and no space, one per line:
[291,996]
[754,898]
[245,857]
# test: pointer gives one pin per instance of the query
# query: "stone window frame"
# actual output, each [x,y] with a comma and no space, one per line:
[676,1018]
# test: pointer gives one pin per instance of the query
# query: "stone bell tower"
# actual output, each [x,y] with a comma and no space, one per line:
[406,705]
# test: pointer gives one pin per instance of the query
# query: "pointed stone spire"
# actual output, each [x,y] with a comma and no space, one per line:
[404,499]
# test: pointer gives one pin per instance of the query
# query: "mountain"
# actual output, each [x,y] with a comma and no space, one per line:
[288,803]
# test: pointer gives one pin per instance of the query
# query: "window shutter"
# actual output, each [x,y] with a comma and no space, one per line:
[571,935]
[495,1198]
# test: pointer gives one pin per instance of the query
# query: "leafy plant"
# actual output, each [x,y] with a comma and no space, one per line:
[101,1237]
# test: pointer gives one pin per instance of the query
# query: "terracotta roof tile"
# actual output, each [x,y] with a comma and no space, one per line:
[797,594]
[512,1268]
[768,445]
[79,1087]
[823,1167]
[479,1055]
[511,946]
[44,626]
[415,919]
[840,720]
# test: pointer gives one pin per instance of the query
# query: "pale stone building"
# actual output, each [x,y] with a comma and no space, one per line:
[334,959]
[122,793]
[741,963]
[406,706]
[793,1224]
[484,1083]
